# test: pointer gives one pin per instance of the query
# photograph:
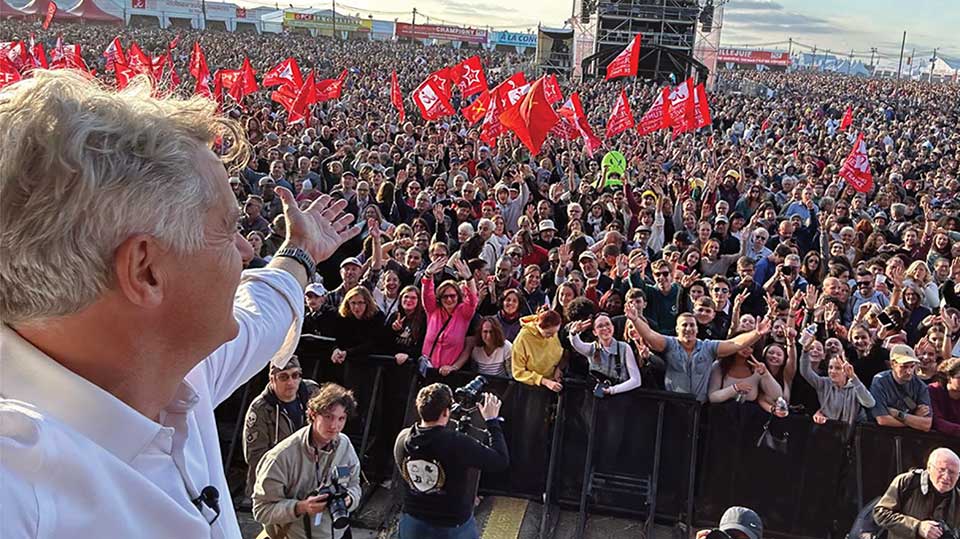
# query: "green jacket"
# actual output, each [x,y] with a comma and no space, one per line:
[910,500]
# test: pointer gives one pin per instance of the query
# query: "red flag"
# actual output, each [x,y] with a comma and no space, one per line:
[156,66]
[114,52]
[174,79]
[532,119]
[565,130]
[856,169]
[431,100]
[300,108]
[8,73]
[138,60]
[246,82]
[396,97]
[621,118]
[478,109]
[626,63]
[16,54]
[765,124]
[511,90]
[681,107]
[286,95]
[491,128]
[701,108]
[468,76]
[657,116]
[847,120]
[66,56]
[551,89]
[442,81]
[286,72]
[572,110]
[123,73]
[224,79]
[328,89]
[200,71]
[173,44]
[51,12]
[38,57]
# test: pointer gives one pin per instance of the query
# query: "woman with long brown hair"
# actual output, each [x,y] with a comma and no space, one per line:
[358,326]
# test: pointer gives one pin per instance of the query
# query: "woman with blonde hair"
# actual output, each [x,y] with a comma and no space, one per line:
[919,274]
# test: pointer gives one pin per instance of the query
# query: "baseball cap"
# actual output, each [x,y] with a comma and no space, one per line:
[649,193]
[234,180]
[316,289]
[721,219]
[488,203]
[546,224]
[351,260]
[742,520]
[266,180]
[735,175]
[282,364]
[903,354]
[587,254]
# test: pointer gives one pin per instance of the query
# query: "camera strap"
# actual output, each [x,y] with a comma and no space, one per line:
[437,339]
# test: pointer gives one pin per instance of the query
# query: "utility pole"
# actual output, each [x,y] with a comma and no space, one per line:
[790,47]
[850,63]
[815,58]
[334,20]
[873,52]
[902,45]
[414,23]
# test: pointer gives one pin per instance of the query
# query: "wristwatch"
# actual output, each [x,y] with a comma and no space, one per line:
[901,415]
[300,256]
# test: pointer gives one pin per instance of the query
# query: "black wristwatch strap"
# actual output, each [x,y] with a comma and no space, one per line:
[300,256]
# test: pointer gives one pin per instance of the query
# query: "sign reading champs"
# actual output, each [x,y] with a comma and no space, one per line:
[324,21]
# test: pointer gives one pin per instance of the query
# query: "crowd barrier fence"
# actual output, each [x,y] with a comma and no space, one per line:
[649,455]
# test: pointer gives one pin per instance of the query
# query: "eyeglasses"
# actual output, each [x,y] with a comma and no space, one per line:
[662,274]
[448,296]
[720,290]
[285,377]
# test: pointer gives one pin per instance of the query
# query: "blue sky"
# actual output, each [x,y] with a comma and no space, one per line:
[838,25]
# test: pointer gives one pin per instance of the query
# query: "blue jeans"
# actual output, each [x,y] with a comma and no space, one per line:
[414,528]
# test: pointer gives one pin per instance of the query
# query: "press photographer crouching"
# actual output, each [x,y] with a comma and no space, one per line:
[436,462]
[923,503]
[309,482]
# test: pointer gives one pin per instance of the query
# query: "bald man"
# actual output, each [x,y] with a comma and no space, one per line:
[917,501]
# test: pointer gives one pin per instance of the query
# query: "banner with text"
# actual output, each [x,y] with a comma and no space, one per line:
[443,33]
[754,57]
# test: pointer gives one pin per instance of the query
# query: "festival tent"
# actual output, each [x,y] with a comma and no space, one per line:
[89,11]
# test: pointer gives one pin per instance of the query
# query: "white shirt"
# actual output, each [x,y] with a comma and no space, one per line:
[75,461]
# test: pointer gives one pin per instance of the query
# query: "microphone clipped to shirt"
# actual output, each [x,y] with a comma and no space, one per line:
[210,497]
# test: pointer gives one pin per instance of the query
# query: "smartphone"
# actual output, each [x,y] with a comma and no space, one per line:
[880,279]
[885,319]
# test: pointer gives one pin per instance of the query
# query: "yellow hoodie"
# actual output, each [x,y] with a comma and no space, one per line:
[534,357]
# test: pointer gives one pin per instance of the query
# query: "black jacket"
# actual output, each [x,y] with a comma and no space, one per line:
[434,463]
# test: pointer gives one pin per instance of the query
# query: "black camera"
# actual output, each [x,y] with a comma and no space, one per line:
[786,270]
[718,534]
[598,390]
[336,498]
[467,395]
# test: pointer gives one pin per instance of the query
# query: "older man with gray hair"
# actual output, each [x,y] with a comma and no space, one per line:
[126,318]
[918,501]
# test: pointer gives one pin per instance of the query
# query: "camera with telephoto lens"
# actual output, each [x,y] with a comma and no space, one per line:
[948,532]
[467,398]
[336,498]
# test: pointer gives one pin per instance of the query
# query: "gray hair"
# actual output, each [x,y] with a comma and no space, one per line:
[83,168]
[466,229]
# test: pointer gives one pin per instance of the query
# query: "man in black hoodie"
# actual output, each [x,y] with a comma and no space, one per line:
[435,461]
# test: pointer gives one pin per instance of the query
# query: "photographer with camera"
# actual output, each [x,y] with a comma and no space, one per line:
[309,482]
[435,460]
[911,508]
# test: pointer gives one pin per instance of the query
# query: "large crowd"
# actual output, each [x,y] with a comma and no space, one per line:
[727,261]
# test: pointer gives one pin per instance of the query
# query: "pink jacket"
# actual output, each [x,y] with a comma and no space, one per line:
[451,342]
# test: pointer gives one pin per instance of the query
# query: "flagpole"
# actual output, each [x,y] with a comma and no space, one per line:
[902,45]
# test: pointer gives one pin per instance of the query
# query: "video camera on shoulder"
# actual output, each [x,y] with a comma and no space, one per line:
[336,498]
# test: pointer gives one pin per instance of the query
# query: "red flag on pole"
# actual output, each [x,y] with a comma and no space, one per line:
[300,108]
[286,95]
[847,120]
[200,71]
[8,73]
[442,81]
[15,53]
[138,60]
[123,73]
[765,124]
[38,56]
[478,109]
[396,97]
[328,89]
[468,76]
[856,169]
[431,100]
[532,119]
[51,12]
[657,116]
[511,90]
[701,107]
[246,82]
[551,89]
[572,110]
[173,43]
[286,72]
[621,118]
[114,52]
[491,128]
[626,63]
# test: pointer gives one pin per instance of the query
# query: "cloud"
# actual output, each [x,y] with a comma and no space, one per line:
[777,20]
[750,5]
[476,8]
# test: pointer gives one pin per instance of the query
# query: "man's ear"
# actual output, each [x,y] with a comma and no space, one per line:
[137,270]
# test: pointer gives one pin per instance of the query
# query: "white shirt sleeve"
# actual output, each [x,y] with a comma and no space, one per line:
[634,381]
[269,309]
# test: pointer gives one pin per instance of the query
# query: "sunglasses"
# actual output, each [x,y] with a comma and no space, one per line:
[662,274]
[864,283]
[448,296]
[718,290]
[284,377]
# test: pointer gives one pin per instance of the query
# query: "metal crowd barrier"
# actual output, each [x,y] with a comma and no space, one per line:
[650,455]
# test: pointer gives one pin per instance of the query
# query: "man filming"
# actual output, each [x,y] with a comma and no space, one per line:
[434,462]
[924,503]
